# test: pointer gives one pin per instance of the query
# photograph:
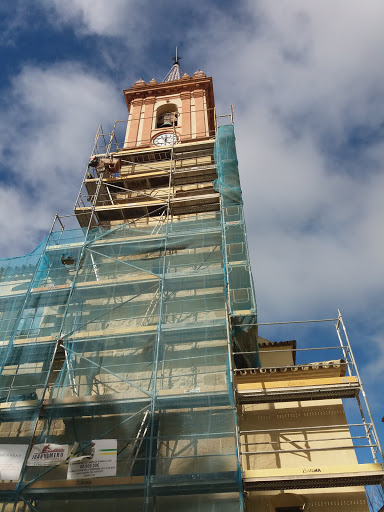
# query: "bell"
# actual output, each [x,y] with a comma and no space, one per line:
[167,119]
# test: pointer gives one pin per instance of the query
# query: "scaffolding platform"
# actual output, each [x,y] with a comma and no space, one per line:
[167,485]
[94,406]
[313,477]
[150,181]
[275,390]
[208,202]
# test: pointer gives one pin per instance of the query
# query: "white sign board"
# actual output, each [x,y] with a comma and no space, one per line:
[47,454]
[11,460]
[102,462]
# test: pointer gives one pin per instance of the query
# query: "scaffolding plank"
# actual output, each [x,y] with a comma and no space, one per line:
[313,477]
[309,389]
[166,485]
[94,405]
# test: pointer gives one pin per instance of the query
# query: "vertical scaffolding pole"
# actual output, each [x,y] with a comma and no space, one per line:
[372,426]
[148,493]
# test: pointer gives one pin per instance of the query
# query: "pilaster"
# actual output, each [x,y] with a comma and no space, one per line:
[201,130]
[149,104]
[134,122]
[185,115]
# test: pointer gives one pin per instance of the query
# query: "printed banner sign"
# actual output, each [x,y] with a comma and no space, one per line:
[11,460]
[102,462]
[47,454]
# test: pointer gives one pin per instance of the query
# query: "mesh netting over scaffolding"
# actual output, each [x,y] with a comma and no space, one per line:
[122,332]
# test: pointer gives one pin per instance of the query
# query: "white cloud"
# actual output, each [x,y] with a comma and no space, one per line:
[47,136]
[16,212]
[111,19]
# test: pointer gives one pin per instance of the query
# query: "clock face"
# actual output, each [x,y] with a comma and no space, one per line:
[165,139]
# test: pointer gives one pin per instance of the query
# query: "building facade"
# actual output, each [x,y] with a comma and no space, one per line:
[134,373]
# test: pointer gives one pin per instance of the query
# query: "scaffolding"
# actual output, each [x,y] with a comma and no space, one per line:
[295,399]
[140,326]
[119,330]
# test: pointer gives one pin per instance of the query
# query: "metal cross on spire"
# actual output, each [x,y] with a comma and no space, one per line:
[176,58]
[175,73]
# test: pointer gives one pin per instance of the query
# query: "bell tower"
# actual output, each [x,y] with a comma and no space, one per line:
[178,109]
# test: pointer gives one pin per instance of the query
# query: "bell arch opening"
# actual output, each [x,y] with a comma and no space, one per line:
[167,115]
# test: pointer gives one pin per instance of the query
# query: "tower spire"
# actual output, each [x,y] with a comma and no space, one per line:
[175,73]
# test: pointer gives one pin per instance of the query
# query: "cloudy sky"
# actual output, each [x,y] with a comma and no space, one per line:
[307,83]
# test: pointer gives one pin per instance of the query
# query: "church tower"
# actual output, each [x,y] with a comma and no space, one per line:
[135,374]
[179,109]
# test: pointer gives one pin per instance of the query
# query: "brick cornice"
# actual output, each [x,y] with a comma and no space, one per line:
[137,102]
[185,95]
[198,93]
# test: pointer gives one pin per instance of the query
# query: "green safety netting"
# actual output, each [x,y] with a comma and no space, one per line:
[122,333]
[240,291]
[138,323]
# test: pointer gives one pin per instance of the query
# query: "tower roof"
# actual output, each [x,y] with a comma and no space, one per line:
[175,73]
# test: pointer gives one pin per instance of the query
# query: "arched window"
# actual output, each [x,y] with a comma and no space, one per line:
[166,115]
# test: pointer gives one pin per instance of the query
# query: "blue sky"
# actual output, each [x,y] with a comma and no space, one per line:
[306,82]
